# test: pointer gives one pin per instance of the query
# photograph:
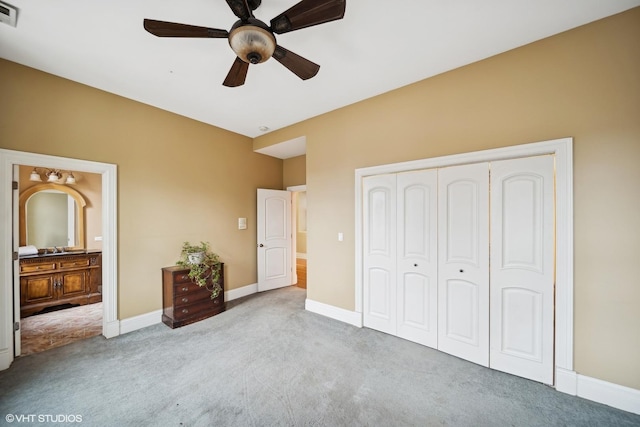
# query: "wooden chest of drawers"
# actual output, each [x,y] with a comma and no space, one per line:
[184,302]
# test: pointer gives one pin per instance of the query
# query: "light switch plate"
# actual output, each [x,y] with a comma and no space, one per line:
[242,223]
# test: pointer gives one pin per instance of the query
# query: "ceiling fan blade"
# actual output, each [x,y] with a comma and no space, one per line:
[308,13]
[298,65]
[241,8]
[237,73]
[171,29]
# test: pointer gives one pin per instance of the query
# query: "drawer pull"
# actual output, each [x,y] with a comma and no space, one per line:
[216,301]
[184,277]
[38,268]
[185,299]
[185,289]
[185,311]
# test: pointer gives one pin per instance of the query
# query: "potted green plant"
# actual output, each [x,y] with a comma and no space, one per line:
[204,266]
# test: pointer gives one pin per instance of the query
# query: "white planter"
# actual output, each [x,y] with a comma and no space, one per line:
[196,258]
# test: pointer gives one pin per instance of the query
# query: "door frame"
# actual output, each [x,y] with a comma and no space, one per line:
[9,158]
[562,149]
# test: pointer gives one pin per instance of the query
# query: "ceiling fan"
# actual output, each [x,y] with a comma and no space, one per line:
[253,41]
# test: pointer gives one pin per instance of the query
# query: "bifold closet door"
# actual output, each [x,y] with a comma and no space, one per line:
[379,253]
[400,255]
[522,267]
[417,257]
[463,262]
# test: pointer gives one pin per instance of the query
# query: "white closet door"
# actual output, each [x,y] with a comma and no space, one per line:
[417,258]
[379,253]
[522,267]
[463,262]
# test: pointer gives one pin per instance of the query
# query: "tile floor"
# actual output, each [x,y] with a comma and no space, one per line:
[45,331]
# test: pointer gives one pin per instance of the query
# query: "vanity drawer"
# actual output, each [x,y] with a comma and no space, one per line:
[42,267]
[74,263]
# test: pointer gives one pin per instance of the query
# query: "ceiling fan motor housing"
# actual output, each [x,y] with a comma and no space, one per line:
[252,41]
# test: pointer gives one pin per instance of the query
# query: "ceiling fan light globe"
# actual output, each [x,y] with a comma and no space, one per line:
[252,44]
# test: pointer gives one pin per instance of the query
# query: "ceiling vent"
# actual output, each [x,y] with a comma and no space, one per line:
[8,14]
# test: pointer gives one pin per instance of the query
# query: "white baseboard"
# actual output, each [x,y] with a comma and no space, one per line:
[567,381]
[111,329]
[336,313]
[614,395]
[241,292]
[142,321]
[617,396]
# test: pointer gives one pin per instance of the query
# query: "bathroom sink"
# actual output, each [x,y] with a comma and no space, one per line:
[71,252]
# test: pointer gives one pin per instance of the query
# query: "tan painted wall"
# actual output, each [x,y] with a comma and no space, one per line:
[585,84]
[294,171]
[178,179]
[90,186]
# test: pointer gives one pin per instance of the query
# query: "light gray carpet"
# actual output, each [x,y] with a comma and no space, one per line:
[268,362]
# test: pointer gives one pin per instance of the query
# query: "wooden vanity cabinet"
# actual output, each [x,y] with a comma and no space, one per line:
[59,279]
[184,302]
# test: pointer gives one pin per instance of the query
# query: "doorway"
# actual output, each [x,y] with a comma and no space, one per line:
[62,210]
[300,232]
[9,284]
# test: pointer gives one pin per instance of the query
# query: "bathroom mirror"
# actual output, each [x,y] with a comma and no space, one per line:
[52,215]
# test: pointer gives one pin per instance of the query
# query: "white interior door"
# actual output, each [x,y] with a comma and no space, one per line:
[379,253]
[463,262]
[417,262]
[522,267]
[274,239]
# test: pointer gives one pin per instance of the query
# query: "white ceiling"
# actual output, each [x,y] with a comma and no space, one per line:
[380,45]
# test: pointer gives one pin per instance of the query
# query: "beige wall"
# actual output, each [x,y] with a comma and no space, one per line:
[178,179]
[584,84]
[89,185]
[294,171]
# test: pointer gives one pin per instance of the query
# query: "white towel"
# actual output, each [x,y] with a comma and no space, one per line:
[27,250]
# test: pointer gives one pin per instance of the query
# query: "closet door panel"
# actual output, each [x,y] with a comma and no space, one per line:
[379,253]
[522,267]
[463,262]
[417,268]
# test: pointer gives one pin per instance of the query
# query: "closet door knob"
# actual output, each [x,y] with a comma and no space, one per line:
[461,271]
[415,265]
[261,245]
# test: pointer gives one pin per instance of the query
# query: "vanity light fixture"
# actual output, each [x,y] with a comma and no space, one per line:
[35,176]
[52,175]
[70,178]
